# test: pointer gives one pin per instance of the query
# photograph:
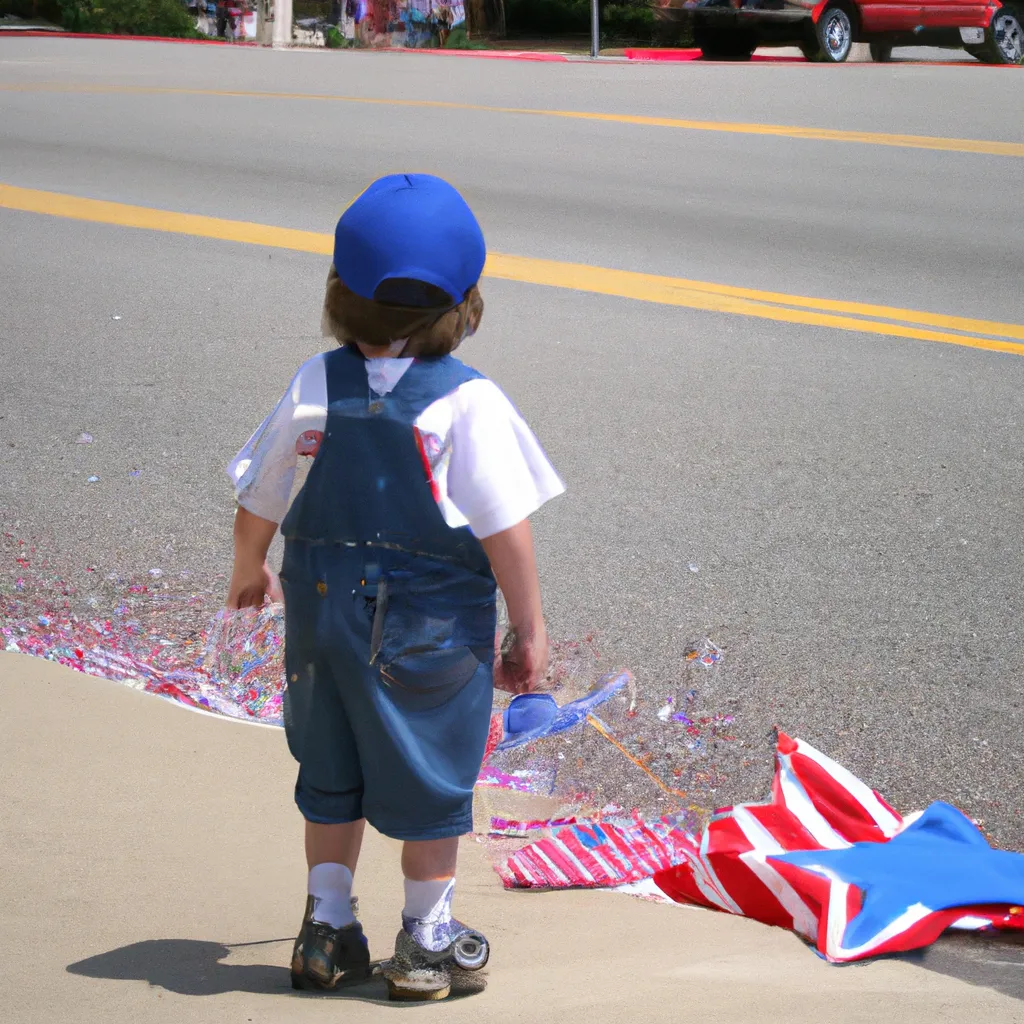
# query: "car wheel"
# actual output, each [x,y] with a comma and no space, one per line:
[881,53]
[1004,40]
[715,44]
[835,34]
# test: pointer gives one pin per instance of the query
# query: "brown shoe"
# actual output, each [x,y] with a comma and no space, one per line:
[329,958]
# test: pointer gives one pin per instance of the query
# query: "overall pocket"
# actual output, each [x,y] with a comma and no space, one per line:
[420,658]
[427,679]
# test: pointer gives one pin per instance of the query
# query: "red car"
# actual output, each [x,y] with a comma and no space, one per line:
[826,29]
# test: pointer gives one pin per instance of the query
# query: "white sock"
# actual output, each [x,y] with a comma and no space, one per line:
[330,885]
[427,915]
[429,901]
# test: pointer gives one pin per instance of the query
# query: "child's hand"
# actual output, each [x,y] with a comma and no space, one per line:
[523,663]
[250,587]
[251,580]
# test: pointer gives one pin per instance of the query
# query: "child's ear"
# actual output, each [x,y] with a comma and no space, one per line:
[474,311]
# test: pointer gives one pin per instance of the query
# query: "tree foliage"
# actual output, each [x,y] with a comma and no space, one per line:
[116,17]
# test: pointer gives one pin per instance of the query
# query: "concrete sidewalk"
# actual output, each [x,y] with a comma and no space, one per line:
[153,871]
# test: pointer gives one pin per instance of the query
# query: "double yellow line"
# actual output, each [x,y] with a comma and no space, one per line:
[668,291]
[931,142]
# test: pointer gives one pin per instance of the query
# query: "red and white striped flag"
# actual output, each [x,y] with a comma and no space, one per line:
[816,805]
[595,854]
[826,857]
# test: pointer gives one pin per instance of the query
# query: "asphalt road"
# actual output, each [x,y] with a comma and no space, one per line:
[851,500]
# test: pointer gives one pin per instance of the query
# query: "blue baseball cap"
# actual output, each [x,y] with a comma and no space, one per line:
[413,227]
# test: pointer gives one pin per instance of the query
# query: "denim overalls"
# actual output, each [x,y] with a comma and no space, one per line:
[389,618]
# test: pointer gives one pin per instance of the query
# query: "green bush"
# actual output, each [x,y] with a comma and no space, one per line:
[458,39]
[624,21]
[547,17]
[168,18]
[627,21]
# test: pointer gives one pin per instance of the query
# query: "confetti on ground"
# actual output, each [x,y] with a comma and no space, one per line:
[229,663]
[522,829]
[706,653]
[627,760]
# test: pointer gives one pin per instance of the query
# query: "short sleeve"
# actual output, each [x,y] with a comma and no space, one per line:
[499,474]
[263,472]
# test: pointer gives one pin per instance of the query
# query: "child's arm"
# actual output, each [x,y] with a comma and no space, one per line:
[524,656]
[251,578]
[262,475]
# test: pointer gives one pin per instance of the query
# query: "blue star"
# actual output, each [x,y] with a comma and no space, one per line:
[939,862]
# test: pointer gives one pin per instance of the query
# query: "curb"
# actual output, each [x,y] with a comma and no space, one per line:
[43,34]
[679,56]
[538,56]
[629,56]
[534,55]
[530,55]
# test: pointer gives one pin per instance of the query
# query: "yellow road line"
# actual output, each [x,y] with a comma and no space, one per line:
[676,291]
[671,291]
[983,146]
[102,212]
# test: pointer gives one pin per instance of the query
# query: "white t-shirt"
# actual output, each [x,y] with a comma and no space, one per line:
[489,471]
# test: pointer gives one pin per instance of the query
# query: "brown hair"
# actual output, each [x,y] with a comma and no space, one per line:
[430,330]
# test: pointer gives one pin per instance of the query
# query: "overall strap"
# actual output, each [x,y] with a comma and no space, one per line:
[427,380]
[346,374]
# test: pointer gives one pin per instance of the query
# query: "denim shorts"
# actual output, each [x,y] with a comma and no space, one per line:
[388,701]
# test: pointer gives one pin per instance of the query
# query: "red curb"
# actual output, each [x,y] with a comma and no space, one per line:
[631,55]
[687,55]
[22,33]
[660,55]
[693,54]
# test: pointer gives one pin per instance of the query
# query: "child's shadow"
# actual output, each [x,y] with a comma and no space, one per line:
[192,967]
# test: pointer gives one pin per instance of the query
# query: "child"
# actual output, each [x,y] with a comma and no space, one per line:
[418,498]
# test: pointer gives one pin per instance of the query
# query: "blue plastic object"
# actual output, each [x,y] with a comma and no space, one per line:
[536,715]
[529,712]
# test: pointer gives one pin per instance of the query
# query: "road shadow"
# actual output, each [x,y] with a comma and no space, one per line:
[193,967]
[990,961]
[994,961]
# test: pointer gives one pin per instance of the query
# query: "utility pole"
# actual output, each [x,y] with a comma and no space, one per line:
[595,28]
[282,23]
